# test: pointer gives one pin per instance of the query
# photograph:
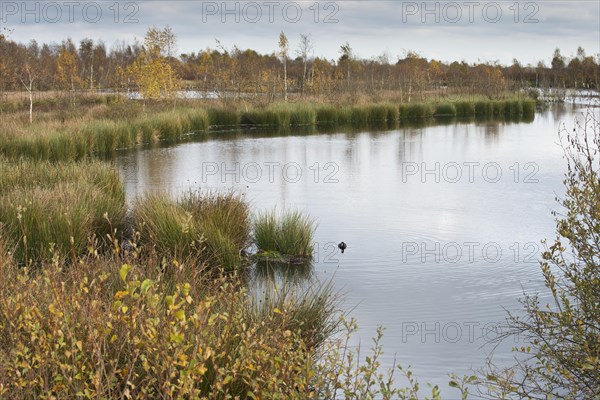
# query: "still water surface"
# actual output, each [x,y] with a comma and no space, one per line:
[443,223]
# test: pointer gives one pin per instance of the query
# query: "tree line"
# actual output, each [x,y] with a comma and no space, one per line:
[155,67]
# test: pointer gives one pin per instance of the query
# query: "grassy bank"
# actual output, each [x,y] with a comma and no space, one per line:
[123,125]
[58,210]
[51,210]
[97,137]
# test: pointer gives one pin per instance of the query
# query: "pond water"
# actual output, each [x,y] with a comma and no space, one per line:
[443,223]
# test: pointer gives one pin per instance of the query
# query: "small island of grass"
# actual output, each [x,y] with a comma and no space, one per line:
[285,238]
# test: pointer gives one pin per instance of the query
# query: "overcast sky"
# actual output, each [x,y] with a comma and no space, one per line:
[444,30]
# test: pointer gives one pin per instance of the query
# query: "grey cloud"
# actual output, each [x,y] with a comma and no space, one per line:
[370,26]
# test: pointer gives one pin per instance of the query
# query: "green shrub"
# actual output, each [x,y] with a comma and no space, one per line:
[113,332]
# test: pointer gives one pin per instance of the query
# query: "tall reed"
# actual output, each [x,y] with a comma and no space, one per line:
[222,117]
[464,108]
[327,115]
[528,107]
[483,108]
[360,116]
[418,111]
[378,115]
[445,110]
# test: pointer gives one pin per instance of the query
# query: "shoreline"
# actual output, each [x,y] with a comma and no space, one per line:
[103,128]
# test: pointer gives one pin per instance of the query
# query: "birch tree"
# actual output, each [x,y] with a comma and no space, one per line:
[305,48]
[283,52]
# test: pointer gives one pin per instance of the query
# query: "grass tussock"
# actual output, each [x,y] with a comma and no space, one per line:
[344,116]
[289,233]
[51,210]
[514,108]
[378,116]
[302,116]
[360,116]
[223,219]
[294,114]
[212,228]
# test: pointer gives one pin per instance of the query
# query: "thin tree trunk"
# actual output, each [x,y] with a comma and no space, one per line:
[304,77]
[30,91]
[285,93]
[348,74]
[30,106]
